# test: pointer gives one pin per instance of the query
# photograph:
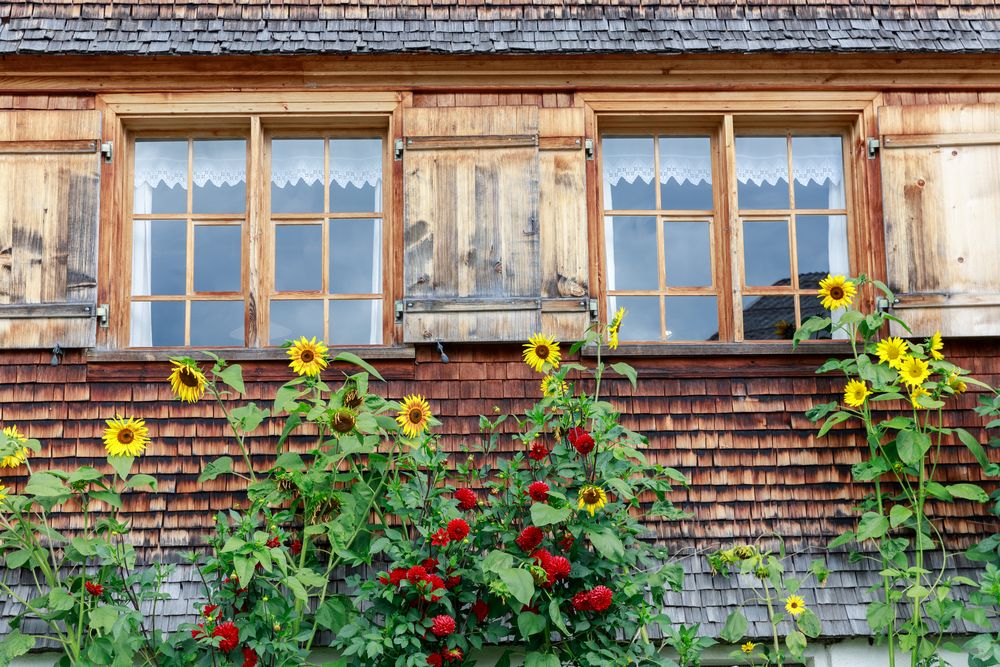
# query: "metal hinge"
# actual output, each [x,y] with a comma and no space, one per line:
[107,150]
[103,314]
[397,150]
[592,309]
[883,305]
[399,311]
[588,148]
[873,145]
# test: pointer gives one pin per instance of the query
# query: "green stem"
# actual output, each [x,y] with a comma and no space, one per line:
[236,431]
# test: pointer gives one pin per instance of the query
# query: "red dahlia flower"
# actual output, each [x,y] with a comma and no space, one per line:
[452,581]
[273,542]
[556,567]
[566,543]
[434,660]
[538,451]
[436,587]
[452,655]
[442,625]
[209,610]
[416,574]
[458,529]
[198,632]
[440,538]
[430,564]
[581,440]
[397,576]
[230,636]
[581,601]
[466,499]
[94,589]
[538,491]
[600,598]
[540,556]
[249,657]
[296,547]
[481,610]
[529,538]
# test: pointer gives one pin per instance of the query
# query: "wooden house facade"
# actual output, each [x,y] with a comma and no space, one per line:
[413,181]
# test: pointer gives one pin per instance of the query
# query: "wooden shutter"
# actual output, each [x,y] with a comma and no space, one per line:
[49,173]
[941,182]
[474,210]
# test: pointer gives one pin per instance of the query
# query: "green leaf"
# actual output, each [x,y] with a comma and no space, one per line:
[520,583]
[912,445]
[358,361]
[16,644]
[607,544]
[556,615]
[809,623]
[294,585]
[624,369]
[84,474]
[335,613]
[734,629]
[872,526]
[233,376]
[495,561]
[135,481]
[968,492]
[831,421]
[546,515]
[286,397]
[879,615]
[530,623]
[109,497]
[121,464]
[898,515]
[796,643]
[244,570]
[249,417]
[219,466]
[623,488]
[103,618]
[841,540]
[541,660]
[973,445]
[46,485]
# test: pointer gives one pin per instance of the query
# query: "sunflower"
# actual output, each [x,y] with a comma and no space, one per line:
[795,605]
[748,647]
[18,456]
[856,393]
[125,437]
[592,498]
[414,415]
[935,345]
[836,292]
[915,394]
[553,387]
[784,330]
[541,350]
[913,371]
[308,356]
[891,351]
[615,327]
[187,381]
[957,384]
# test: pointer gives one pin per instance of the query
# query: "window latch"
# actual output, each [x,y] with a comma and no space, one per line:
[588,148]
[883,305]
[103,315]
[872,145]
[107,150]
[397,150]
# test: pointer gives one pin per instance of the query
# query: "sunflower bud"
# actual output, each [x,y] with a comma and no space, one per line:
[343,421]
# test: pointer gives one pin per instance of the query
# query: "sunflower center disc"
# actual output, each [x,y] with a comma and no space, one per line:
[542,352]
[188,378]
[590,496]
[836,293]
[125,436]
[416,415]
[306,356]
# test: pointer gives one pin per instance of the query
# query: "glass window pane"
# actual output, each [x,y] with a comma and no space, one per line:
[686,173]
[161,173]
[216,323]
[628,173]
[298,262]
[355,256]
[642,317]
[356,322]
[765,253]
[821,246]
[688,252]
[692,318]
[768,317]
[762,172]
[159,251]
[217,258]
[297,176]
[632,253]
[355,175]
[220,176]
[292,319]
[818,169]
[157,324]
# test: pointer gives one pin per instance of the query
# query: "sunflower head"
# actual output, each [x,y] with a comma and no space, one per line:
[795,605]
[891,351]
[592,498]
[934,346]
[15,455]
[917,393]
[913,371]
[125,437]
[343,420]
[414,416]
[541,352]
[552,386]
[784,330]
[187,381]
[615,328]
[748,647]
[308,356]
[957,384]
[856,393]
[836,292]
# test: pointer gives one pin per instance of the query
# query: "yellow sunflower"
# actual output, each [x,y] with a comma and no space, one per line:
[856,393]
[748,647]
[915,394]
[615,327]
[553,387]
[187,381]
[541,350]
[795,605]
[913,371]
[956,384]
[414,415]
[125,437]
[19,456]
[891,351]
[592,498]
[308,356]
[3,493]
[935,345]
[836,292]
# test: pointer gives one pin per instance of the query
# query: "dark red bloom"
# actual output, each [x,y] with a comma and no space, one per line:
[600,598]
[230,635]
[296,547]
[249,657]
[481,610]
[538,491]
[466,499]
[435,587]
[538,451]
[430,564]
[383,579]
[273,542]
[541,555]
[581,601]
[94,589]
[556,567]
[452,581]
[529,538]
[209,610]
[581,440]
[442,625]
[566,543]
[533,608]
[397,576]
[452,654]
[198,632]
[416,574]
[458,529]
[440,538]
[434,660]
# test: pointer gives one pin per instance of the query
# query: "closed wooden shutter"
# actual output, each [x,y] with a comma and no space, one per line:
[941,183]
[49,194]
[474,210]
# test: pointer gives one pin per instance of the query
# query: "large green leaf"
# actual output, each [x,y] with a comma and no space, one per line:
[16,644]
[530,623]
[233,376]
[103,618]
[809,623]
[796,643]
[734,628]
[46,485]
[872,526]
[358,361]
[519,582]
[219,466]
[607,544]
[541,660]
[968,492]
[973,445]
[546,515]
[879,615]
[624,369]
[912,445]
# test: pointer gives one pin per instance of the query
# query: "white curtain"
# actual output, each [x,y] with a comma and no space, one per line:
[142,267]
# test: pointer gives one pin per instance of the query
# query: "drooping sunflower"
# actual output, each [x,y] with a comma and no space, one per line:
[891,351]
[935,345]
[856,393]
[615,328]
[917,393]
[187,381]
[957,384]
[308,356]
[795,605]
[836,292]
[541,350]
[125,437]
[592,498]
[414,415]
[748,647]
[18,456]
[913,371]
[551,386]
[784,330]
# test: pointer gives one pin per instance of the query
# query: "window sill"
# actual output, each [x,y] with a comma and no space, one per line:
[721,349]
[240,354]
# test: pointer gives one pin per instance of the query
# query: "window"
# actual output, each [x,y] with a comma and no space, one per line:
[682,270]
[193,271]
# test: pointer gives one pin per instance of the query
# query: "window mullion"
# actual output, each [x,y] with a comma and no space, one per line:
[255,286]
[733,232]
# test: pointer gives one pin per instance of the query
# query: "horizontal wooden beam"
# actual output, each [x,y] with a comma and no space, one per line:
[16,311]
[912,300]
[471,142]
[468,305]
[48,147]
[940,140]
